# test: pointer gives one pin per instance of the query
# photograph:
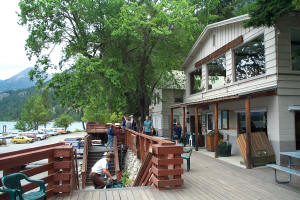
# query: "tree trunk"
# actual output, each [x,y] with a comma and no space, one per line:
[81,115]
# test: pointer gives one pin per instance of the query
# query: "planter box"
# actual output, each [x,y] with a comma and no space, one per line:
[210,143]
[224,150]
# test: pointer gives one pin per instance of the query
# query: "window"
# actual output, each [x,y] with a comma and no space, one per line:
[258,122]
[216,72]
[225,119]
[295,48]
[210,122]
[178,100]
[249,59]
[196,81]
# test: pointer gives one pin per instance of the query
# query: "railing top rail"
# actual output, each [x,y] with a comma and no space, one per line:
[31,149]
[30,156]
[154,139]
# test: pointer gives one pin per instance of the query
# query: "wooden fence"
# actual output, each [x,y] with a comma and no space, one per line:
[59,169]
[166,168]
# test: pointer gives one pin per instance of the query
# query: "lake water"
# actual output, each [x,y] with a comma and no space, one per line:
[10,126]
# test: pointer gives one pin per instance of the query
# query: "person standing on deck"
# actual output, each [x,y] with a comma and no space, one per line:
[99,170]
[110,136]
[177,132]
[123,122]
[148,128]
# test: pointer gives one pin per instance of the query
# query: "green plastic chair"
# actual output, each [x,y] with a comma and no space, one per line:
[187,156]
[12,185]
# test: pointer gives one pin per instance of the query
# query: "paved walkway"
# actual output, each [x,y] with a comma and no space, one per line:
[208,179]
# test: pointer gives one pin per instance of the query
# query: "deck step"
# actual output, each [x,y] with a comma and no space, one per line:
[284,169]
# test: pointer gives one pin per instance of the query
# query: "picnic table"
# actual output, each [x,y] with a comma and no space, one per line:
[288,169]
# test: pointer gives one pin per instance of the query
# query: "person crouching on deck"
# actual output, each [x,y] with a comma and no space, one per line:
[99,170]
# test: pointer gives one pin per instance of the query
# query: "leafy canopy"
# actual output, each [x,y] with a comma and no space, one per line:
[33,114]
[266,12]
[114,53]
[63,120]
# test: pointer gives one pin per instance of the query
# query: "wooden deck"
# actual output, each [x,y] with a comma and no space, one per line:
[208,179]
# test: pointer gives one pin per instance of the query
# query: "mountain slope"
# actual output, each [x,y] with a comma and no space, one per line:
[18,81]
[12,102]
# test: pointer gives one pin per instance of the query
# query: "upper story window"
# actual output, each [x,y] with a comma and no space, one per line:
[196,81]
[216,72]
[295,48]
[249,59]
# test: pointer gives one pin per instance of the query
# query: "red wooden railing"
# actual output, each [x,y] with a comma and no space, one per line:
[59,168]
[166,158]
[96,128]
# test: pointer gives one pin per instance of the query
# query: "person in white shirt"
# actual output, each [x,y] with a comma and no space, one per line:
[99,170]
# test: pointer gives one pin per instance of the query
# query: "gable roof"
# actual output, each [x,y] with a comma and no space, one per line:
[207,29]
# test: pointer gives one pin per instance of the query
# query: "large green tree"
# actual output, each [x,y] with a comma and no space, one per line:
[63,120]
[34,113]
[115,50]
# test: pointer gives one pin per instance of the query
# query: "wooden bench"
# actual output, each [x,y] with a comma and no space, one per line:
[284,169]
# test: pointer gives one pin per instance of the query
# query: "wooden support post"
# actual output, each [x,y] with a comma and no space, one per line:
[248,133]
[196,129]
[183,125]
[216,130]
[172,128]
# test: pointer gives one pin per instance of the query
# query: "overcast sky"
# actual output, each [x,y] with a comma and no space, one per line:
[12,40]
[13,57]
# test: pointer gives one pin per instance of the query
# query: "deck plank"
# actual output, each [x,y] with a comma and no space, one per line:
[208,179]
[130,195]
[109,195]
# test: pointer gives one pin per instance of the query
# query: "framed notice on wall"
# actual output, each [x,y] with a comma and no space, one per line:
[225,119]
[203,120]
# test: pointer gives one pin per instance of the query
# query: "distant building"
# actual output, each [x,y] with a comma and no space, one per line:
[163,99]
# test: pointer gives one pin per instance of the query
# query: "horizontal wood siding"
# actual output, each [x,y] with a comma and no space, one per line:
[288,80]
[224,35]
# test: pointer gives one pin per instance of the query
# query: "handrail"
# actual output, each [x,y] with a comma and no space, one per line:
[166,159]
[85,160]
[151,138]
[143,142]
[11,162]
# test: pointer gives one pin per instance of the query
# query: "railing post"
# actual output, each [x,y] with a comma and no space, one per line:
[51,171]
[166,166]
[63,165]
